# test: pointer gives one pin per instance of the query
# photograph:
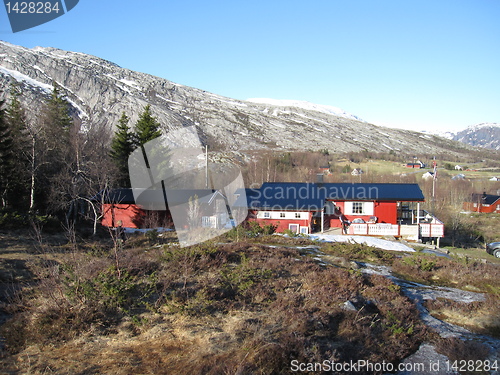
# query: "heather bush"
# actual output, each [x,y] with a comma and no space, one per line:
[355,251]
[464,351]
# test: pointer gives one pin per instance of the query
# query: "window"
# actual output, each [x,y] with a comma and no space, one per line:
[297,215]
[357,208]
[267,215]
[282,214]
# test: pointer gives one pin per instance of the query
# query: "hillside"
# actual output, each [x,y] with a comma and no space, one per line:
[100,91]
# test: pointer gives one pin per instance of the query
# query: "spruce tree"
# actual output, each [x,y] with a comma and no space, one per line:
[147,127]
[58,162]
[16,117]
[7,156]
[57,121]
[17,121]
[122,146]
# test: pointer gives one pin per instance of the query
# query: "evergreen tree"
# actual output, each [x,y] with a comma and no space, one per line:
[57,161]
[122,146]
[147,127]
[57,121]
[7,156]
[16,119]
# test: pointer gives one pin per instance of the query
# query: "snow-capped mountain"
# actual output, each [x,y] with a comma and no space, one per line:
[482,135]
[99,91]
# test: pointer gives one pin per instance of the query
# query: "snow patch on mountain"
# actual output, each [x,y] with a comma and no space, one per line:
[481,135]
[308,106]
[483,125]
[24,78]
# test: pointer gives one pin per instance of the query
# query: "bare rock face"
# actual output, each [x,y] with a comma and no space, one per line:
[99,91]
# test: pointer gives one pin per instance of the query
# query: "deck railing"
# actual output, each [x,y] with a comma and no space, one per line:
[413,232]
[374,229]
[431,230]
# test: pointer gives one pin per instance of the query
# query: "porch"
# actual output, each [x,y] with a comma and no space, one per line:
[413,225]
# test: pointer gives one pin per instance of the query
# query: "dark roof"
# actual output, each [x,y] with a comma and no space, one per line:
[484,198]
[300,197]
[126,196]
[312,196]
[115,196]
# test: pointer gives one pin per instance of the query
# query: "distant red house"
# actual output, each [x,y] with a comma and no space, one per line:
[486,203]
[368,209]
[417,164]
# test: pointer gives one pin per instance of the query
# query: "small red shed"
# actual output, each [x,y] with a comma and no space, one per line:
[118,207]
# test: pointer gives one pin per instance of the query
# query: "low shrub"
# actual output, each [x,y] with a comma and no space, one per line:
[355,251]
[250,229]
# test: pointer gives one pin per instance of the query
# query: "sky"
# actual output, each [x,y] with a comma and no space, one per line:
[429,65]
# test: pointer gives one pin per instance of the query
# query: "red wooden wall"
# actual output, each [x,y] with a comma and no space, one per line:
[282,224]
[386,212]
[130,215]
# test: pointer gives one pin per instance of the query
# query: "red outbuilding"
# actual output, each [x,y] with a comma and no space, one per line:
[119,208]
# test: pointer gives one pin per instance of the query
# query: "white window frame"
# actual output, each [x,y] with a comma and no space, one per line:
[367,208]
[282,215]
[358,208]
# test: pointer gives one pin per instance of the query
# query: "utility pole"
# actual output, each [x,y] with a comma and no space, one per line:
[434,177]
[206,166]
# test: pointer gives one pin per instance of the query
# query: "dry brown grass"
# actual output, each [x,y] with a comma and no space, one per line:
[208,309]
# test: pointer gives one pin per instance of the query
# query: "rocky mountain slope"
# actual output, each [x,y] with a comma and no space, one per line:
[482,135]
[100,91]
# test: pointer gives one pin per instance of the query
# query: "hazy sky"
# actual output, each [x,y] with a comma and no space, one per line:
[426,65]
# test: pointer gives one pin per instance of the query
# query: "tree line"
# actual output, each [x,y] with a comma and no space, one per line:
[52,165]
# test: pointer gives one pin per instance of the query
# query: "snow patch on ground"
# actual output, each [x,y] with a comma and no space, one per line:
[370,241]
[137,230]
